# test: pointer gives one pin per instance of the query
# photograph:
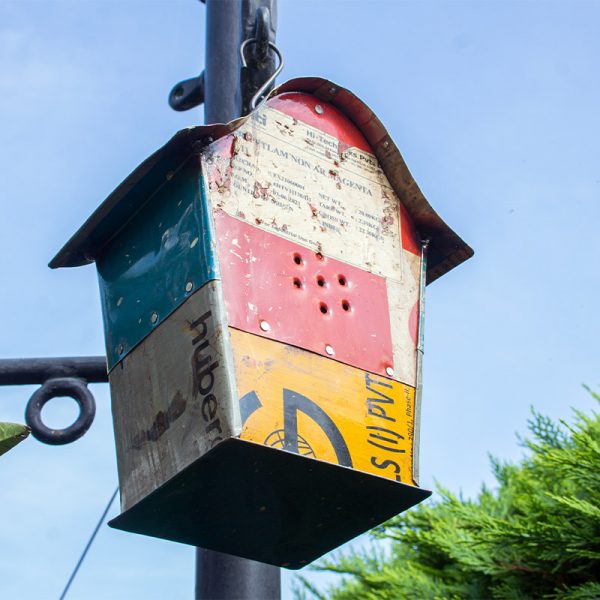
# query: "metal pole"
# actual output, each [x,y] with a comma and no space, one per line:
[31,371]
[228,22]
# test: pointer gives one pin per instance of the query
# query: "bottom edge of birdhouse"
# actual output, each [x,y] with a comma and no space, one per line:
[268,505]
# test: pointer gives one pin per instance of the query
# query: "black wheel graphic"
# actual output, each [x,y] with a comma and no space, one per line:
[276,439]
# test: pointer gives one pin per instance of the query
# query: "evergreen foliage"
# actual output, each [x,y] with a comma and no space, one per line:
[11,434]
[536,536]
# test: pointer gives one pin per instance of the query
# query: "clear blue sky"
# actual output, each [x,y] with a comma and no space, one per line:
[494,106]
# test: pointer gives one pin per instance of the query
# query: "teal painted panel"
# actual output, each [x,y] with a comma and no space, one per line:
[161,256]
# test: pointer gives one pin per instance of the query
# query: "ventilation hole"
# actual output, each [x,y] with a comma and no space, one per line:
[321,281]
[342,280]
[319,256]
[297,283]
[297,259]
[323,308]
[346,305]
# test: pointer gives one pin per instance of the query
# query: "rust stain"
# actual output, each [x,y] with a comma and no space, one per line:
[162,422]
[235,147]
[261,191]
[390,210]
[249,361]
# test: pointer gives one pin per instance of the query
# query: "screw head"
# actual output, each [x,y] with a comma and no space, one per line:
[265,326]
[329,350]
[389,371]
[386,144]
[189,286]
[319,109]
[120,349]
[154,317]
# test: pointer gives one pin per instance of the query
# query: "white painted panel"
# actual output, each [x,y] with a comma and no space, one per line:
[288,178]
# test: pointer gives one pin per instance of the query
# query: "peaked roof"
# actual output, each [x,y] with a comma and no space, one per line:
[446,249]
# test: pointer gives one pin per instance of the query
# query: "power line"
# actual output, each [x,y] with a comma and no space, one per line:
[87,546]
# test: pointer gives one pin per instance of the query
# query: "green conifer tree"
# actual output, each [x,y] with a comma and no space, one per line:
[536,536]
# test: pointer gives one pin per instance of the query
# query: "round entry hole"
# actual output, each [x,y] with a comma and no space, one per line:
[342,280]
[297,283]
[346,305]
[321,281]
[297,259]
[323,308]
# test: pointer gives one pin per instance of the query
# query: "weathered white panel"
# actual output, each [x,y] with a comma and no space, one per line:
[403,300]
[294,180]
[173,397]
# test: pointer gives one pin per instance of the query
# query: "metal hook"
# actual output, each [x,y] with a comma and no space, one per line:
[271,79]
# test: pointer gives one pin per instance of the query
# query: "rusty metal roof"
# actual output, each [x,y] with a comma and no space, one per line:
[446,249]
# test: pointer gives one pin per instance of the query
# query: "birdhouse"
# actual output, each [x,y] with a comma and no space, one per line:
[262,287]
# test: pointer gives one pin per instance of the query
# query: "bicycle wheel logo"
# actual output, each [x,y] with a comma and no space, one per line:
[288,438]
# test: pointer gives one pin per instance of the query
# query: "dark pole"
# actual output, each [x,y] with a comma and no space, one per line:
[228,22]
[222,96]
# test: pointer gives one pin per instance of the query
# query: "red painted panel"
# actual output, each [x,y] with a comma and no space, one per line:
[332,121]
[409,235]
[283,291]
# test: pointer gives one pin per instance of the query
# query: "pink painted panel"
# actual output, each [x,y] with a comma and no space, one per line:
[283,291]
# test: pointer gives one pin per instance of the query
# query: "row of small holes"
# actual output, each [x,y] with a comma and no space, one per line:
[325,309]
[298,260]
[320,281]
[322,306]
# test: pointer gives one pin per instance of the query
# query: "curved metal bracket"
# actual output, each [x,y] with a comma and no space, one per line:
[58,377]
[187,93]
[261,92]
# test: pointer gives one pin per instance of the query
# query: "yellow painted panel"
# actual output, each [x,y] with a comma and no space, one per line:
[298,401]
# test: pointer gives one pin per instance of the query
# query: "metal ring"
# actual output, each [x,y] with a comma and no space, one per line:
[271,79]
[55,388]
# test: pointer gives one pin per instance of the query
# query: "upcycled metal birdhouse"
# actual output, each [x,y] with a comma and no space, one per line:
[262,291]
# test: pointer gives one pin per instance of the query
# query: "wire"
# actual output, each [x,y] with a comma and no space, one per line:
[87,546]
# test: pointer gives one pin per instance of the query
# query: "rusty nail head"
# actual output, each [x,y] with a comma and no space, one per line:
[319,109]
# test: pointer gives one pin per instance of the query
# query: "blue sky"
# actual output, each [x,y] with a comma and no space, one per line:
[494,106]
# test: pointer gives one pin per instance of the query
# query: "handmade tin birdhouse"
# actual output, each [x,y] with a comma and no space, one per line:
[262,291]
